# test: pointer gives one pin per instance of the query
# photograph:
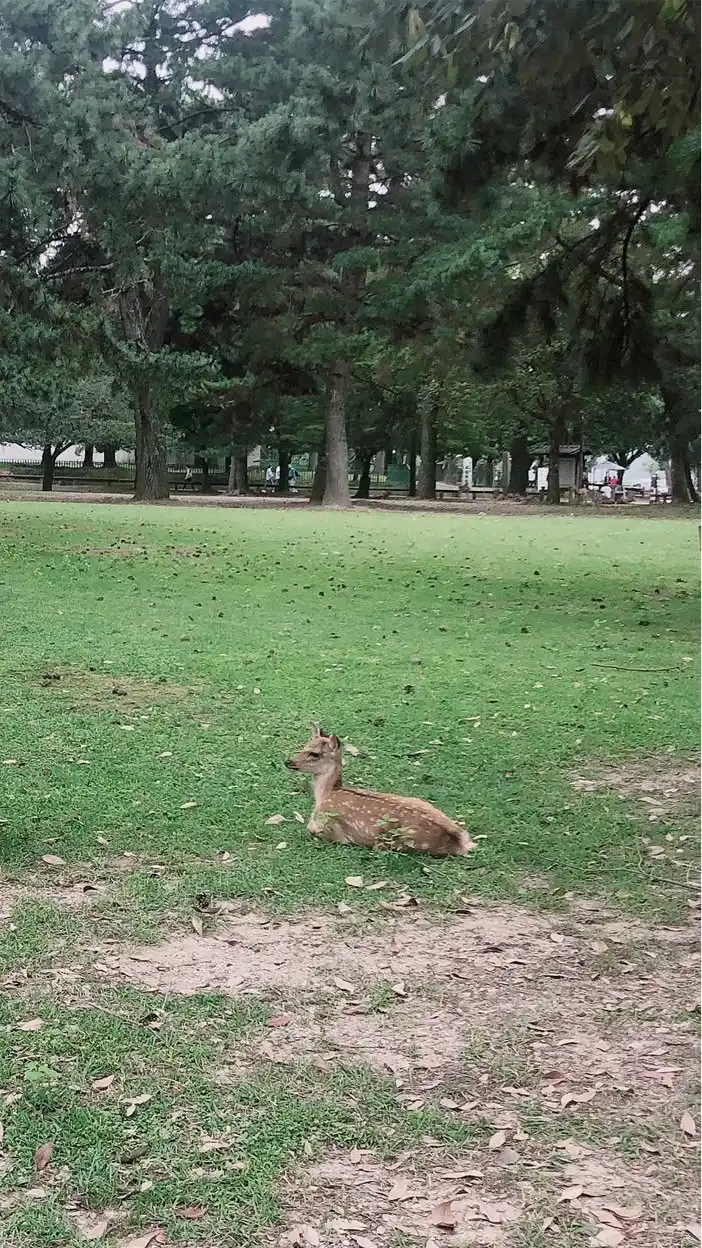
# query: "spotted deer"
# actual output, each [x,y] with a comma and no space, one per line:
[350,816]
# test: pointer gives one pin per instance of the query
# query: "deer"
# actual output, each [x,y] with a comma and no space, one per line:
[351,816]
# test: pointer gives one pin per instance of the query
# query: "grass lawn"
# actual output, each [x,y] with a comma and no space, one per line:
[537,677]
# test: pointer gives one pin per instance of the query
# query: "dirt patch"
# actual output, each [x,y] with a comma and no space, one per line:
[484,1197]
[661,784]
[409,995]
[90,688]
[71,895]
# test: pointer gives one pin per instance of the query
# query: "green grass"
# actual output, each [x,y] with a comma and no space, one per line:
[394,631]
[474,661]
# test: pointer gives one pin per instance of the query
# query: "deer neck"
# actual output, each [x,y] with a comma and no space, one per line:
[325,784]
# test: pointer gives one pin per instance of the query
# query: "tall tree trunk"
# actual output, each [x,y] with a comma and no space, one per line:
[48,463]
[145,327]
[150,451]
[88,455]
[320,476]
[336,487]
[520,463]
[204,465]
[427,452]
[365,459]
[241,473]
[231,475]
[413,464]
[680,476]
[110,456]
[692,489]
[553,492]
[283,482]
[489,471]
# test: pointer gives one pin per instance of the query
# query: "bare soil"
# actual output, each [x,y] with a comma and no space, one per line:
[662,784]
[531,1025]
[493,506]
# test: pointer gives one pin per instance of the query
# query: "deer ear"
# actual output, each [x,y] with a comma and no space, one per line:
[334,743]
[315,729]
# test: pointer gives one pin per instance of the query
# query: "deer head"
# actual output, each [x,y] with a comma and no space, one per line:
[321,754]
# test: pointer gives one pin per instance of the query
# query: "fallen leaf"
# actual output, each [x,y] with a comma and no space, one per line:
[53,860]
[101,840]
[571,1193]
[32,1024]
[344,985]
[282,845]
[444,1216]
[606,1217]
[302,1237]
[43,1155]
[631,1214]
[578,1098]
[687,1124]
[490,1212]
[463,1174]
[188,805]
[362,1241]
[400,1190]
[343,908]
[346,1224]
[447,1103]
[275,820]
[608,1237]
[399,988]
[280,1020]
[509,1156]
[156,1236]
[99,1085]
[496,1141]
[196,924]
[352,750]
[92,1231]
[374,888]
[354,881]
[300,818]
[694,1231]
[557,938]
[192,1213]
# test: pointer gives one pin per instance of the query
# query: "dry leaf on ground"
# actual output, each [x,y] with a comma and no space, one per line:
[302,1237]
[53,860]
[99,1085]
[196,924]
[43,1155]
[274,820]
[687,1124]
[400,1190]
[496,1141]
[32,1024]
[444,1216]
[608,1237]
[192,1213]
[344,985]
[280,1020]
[156,1236]
[354,881]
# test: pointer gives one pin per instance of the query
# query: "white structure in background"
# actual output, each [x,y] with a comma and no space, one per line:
[13,453]
[467,473]
[639,473]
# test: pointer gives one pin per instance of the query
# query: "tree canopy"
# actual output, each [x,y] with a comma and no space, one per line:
[466,225]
